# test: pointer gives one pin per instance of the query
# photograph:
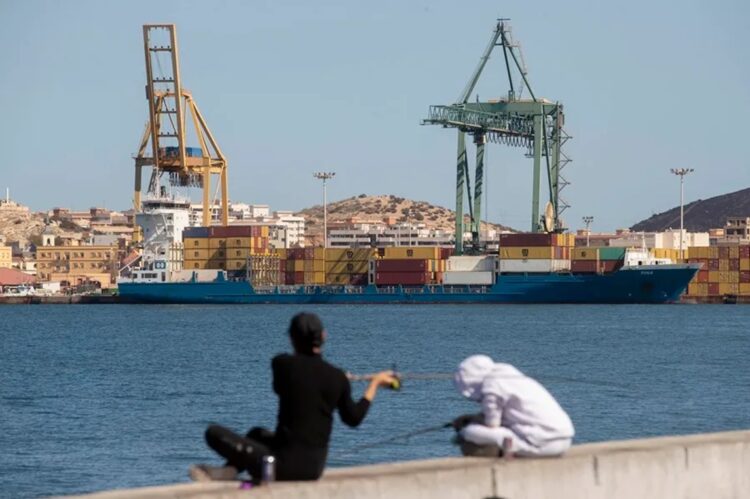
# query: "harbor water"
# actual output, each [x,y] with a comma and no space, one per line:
[111,396]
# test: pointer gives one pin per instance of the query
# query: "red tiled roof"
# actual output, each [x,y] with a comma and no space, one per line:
[13,277]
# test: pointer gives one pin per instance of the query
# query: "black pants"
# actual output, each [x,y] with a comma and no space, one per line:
[293,462]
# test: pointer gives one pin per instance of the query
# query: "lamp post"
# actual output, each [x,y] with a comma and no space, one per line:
[325,176]
[681,172]
[587,220]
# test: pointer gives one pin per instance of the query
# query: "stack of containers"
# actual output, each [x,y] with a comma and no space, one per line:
[224,247]
[670,253]
[407,266]
[534,252]
[303,265]
[347,266]
[590,260]
[725,270]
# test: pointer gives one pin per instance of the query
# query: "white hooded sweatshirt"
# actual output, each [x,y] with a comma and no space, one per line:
[513,400]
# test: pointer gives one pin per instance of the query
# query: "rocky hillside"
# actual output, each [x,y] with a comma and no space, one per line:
[375,208]
[21,226]
[702,214]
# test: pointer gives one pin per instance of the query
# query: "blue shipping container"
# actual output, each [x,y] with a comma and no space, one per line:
[196,232]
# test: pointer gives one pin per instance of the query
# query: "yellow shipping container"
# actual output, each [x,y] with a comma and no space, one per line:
[341,254]
[729,288]
[397,252]
[194,264]
[196,242]
[315,277]
[347,267]
[713,276]
[713,252]
[583,253]
[745,264]
[238,253]
[217,242]
[745,288]
[698,289]
[340,279]
[734,252]
[216,263]
[197,254]
[264,232]
[724,265]
[319,254]
[236,263]
[299,265]
[532,253]
[280,252]
[239,242]
[733,276]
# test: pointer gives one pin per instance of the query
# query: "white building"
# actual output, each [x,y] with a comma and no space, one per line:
[669,239]
[381,235]
[294,228]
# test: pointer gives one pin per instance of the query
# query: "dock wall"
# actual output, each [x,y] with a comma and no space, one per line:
[715,465]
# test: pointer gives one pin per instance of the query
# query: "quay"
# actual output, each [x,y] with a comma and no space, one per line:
[715,465]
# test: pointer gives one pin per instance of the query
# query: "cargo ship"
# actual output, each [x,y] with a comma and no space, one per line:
[529,268]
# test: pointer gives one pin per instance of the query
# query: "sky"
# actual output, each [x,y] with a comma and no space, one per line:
[289,88]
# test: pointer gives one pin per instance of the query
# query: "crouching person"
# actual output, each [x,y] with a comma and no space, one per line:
[518,414]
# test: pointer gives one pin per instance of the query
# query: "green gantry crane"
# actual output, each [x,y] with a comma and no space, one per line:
[533,123]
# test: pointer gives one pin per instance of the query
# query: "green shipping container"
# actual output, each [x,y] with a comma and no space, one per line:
[611,253]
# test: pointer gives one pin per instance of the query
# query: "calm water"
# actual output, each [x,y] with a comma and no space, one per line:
[98,397]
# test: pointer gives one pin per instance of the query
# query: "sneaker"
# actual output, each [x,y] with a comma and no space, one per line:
[206,473]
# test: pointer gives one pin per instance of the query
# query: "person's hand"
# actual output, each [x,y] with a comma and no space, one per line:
[387,379]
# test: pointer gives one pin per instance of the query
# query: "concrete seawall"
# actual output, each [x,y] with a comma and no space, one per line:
[715,465]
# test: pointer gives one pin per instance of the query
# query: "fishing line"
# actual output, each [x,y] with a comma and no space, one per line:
[403,436]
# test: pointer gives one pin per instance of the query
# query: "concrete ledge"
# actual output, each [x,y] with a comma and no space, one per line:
[715,465]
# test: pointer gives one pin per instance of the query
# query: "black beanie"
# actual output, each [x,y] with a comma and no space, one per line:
[306,331]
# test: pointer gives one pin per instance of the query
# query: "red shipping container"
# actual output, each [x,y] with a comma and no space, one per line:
[231,231]
[702,276]
[404,278]
[295,254]
[446,253]
[713,289]
[744,275]
[583,266]
[713,264]
[299,278]
[358,279]
[723,252]
[282,265]
[309,253]
[289,278]
[744,251]
[527,239]
[401,265]
[734,264]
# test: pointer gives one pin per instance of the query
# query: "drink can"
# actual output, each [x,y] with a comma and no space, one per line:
[268,470]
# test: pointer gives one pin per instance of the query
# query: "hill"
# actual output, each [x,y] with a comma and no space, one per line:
[376,208]
[700,215]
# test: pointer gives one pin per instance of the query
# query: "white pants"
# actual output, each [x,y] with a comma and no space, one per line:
[484,435]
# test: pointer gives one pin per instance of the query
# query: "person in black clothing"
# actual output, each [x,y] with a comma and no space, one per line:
[310,390]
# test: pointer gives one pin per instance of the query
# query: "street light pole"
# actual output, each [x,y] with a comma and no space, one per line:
[681,172]
[587,220]
[324,176]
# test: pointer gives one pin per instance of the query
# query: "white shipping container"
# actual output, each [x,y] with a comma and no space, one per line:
[533,265]
[462,277]
[201,275]
[470,263]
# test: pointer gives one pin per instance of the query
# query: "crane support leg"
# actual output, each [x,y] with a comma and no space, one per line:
[476,221]
[207,207]
[137,200]
[538,131]
[555,172]
[224,197]
[460,180]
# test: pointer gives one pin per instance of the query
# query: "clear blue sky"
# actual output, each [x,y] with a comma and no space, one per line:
[293,87]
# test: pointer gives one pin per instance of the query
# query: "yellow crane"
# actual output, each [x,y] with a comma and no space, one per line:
[167,132]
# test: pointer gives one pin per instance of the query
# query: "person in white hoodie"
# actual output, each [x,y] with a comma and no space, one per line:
[514,406]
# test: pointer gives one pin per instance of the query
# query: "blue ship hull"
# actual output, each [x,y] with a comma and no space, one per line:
[646,284]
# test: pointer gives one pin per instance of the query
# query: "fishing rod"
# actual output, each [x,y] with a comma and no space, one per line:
[437,376]
[402,436]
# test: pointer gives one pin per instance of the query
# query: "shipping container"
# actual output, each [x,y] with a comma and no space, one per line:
[744,264]
[744,289]
[403,278]
[470,263]
[347,254]
[196,232]
[298,266]
[400,252]
[236,263]
[714,276]
[528,239]
[400,265]
[195,242]
[592,266]
[217,242]
[734,264]
[446,253]
[469,277]
[723,252]
[713,264]
[216,263]
[195,264]
[698,289]
[198,254]
[745,276]
[346,267]
[723,264]
[533,266]
[729,288]
[701,276]
[529,253]
[238,252]
[228,231]
[239,242]
[585,253]
[744,251]
[713,289]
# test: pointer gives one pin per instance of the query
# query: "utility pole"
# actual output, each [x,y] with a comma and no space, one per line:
[325,176]
[681,172]
[587,220]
